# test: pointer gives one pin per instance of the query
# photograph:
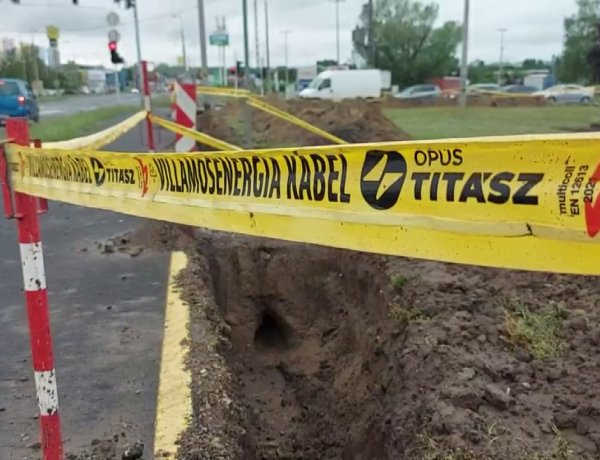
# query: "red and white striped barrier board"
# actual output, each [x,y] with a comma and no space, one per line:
[186,107]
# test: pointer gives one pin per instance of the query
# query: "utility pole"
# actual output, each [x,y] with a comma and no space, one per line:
[501,65]
[246,44]
[371,35]
[287,64]
[464,68]
[257,44]
[202,31]
[246,110]
[268,46]
[138,44]
[337,27]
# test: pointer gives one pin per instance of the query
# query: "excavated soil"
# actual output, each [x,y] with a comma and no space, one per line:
[353,121]
[304,352]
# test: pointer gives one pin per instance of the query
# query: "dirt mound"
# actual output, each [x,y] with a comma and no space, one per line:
[330,354]
[354,121]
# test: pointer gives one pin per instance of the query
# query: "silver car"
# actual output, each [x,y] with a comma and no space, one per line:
[567,94]
[419,92]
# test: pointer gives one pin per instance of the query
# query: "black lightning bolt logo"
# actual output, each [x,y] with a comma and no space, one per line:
[382,178]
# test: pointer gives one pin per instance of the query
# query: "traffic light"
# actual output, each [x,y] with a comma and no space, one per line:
[115,58]
[239,68]
[16,1]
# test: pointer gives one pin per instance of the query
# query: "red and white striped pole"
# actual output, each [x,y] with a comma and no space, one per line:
[148,106]
[36,299]
[185,114]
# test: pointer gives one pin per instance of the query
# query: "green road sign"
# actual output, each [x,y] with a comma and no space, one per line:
[219,39]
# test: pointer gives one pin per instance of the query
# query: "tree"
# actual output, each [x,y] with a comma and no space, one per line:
[407,42]
[582,42]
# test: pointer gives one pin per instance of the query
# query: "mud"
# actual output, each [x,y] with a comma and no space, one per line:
[354,121]
[316,353]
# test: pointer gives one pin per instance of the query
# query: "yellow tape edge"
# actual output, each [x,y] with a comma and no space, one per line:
[191,133]
[101,138]
[261,105]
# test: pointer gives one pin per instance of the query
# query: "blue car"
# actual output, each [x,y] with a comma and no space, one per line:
[17,100]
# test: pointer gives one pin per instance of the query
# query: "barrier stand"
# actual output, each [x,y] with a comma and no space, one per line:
[25,210]
[148,106]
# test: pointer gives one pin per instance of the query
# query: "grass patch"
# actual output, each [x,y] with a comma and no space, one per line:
[536,331]
[430,449]
[398,282]
[60,128]
[163,101]
[402,316]
[448,122]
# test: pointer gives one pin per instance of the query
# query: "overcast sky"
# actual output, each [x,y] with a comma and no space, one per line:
[535,27]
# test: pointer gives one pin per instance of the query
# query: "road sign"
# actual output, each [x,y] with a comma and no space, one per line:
[112,19]
[219,38]
[52,32]
[114,35]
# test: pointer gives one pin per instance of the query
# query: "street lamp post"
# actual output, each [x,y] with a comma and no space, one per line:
[337,27]
[182,31]
[464,68]
[202,31]
[501,65]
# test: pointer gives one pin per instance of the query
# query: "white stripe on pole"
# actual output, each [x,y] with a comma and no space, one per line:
[32,260]
[45,385]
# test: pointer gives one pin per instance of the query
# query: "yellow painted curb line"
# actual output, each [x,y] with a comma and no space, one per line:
[174,402]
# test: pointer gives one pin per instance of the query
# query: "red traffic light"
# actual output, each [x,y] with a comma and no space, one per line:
[112,45]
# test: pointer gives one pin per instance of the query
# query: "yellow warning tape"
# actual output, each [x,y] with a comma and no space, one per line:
[101,138]
[261,105]
[519,202]
[223,91]
[191,133]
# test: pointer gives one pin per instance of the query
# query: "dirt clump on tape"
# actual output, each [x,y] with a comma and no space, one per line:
[355,121]
[304,352]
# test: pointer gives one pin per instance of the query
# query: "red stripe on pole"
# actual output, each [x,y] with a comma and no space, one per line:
[50,426]
[149,128]
[39,321]
[28,229]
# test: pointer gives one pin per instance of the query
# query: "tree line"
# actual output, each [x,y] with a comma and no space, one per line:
[402,36]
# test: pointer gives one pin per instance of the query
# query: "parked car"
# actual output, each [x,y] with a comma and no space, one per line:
[519,89]
[420,92]
[17,100]
[567,94]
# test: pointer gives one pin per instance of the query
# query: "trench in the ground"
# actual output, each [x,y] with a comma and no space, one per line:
[309,355]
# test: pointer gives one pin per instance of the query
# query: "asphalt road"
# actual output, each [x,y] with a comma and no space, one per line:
[73,104]
[107,313]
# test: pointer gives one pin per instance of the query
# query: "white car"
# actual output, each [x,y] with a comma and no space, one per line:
[567,94]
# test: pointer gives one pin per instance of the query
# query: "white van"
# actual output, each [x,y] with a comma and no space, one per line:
[344,84]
